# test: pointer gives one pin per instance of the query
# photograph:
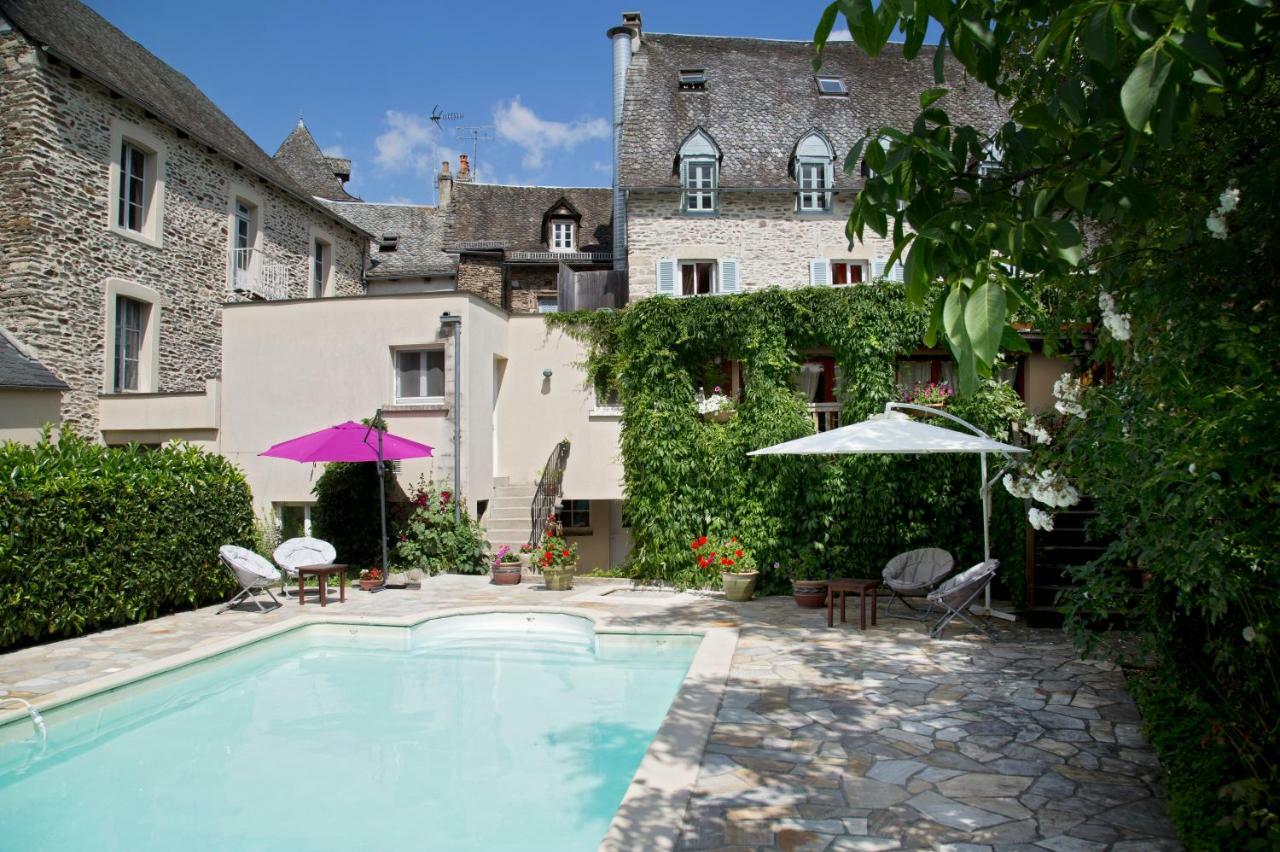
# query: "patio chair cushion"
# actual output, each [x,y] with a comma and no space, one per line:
[960,588]
[250,569]
[917,571]
[296,552]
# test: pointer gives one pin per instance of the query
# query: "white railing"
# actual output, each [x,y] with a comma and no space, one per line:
[256,274]
[826,415]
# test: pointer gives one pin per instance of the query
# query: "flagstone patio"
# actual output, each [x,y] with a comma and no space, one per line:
[827,738]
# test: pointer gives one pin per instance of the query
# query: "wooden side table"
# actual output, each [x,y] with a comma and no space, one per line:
[323,572]
[842,588]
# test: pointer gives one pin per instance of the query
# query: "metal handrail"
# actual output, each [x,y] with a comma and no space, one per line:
[548,492]
[257,273]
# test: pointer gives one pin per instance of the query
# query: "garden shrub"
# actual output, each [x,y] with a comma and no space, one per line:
[685,476]
[93,537]
[346,512]
[435,539]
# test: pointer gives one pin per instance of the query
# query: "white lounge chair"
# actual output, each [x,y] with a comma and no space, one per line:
[914,574]
[252,572]
[956,595]
[300,552]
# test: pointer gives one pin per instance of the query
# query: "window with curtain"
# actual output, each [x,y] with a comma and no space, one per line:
[131,320]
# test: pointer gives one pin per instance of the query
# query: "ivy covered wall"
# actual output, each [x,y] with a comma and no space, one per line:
[685,476]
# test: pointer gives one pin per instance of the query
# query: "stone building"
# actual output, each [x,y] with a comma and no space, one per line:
[131,210]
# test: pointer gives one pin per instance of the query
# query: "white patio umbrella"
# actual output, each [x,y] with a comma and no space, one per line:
[895,432]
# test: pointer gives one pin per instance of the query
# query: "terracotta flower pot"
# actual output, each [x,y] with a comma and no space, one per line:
[558,579]
[810,594]
[740,587]
[369,585]
[506,575]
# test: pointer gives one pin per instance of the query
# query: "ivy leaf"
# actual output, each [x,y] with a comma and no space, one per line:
[1142,88]
[984,315]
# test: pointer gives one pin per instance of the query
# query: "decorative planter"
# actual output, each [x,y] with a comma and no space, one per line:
[397,580]
[413,578]
[810,594]
[559,579]
[369,585]
[740,587]
[526,559]
[506,575]
[722,416]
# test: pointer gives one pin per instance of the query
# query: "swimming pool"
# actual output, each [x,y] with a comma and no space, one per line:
[476,732]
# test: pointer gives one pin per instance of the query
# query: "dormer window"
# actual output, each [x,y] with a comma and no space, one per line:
[699,173]
[813,172]
[831,86]
[693,80]
[562,235]
[388,242]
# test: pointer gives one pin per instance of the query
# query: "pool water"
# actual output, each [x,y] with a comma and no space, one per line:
[501,731]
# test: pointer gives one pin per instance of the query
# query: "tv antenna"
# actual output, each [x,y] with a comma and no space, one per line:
[437,116]
[477,134]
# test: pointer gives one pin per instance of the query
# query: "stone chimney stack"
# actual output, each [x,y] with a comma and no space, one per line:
[464,168]
[444,185]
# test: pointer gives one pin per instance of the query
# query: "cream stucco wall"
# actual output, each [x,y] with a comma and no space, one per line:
[24,412]
[1039,375]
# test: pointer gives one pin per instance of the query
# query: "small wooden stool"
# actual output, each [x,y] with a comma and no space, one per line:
[842,588]
[323,572]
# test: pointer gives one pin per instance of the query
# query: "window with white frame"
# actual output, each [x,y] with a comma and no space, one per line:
[137,184]
[130,330]
[562,235]
[813,159]
[321,267]
[294,519]
[698,277]
[133,193]
[575,514]
[699,173]
[849,272]
[419,375]
[548,304]
[244,237]
[831,86]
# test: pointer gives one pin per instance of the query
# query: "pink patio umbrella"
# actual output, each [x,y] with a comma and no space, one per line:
[353,442]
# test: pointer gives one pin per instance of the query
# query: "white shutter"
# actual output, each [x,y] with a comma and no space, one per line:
[878,268]
[895,273]
[729,273]
[666,276]
[819,272]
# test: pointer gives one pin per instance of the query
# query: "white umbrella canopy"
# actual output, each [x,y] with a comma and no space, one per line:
[888,433]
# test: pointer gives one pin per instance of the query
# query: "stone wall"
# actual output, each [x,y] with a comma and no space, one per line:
[762,230]
[535,282]
[57,251]
[482,275]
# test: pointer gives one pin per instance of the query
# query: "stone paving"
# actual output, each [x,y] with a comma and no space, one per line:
[827,738]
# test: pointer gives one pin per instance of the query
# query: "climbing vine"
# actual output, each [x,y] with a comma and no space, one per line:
[686,475]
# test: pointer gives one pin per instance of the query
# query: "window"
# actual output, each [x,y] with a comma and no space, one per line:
[321,266]
[697,277]
[548,304]
[849,272]
[294,519]
[818,382]
[575,514]
[562,235]
[606,402]
[832,86]
[693,80]
[243,239]
[699,173]
[131,323]
[388,242]
[419,374]
[812,166]
[133,187]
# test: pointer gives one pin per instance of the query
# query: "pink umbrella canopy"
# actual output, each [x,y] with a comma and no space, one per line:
[347,442]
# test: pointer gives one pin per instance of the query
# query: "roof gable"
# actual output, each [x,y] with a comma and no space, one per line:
[301,157]
[492,217]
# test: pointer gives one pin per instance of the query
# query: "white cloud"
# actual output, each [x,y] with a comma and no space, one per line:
[840,35]
[334,151]
[411,143]
[515,122]
[602,167]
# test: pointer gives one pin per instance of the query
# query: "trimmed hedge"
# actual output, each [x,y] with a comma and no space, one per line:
[93,537]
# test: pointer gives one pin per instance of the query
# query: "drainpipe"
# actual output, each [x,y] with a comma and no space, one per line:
[454,322]
[622,48]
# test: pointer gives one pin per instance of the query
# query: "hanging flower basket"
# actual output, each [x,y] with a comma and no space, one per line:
[724,415]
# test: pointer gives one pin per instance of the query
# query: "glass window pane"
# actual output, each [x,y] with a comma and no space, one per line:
[409,374]
[434,359]
[292,521]
[687,273]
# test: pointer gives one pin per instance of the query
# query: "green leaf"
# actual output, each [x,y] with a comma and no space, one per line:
[939,61]
[984,316]
[1142,88]
[1011,341]
[855,156]
[915,271]
[935,321]
[1076,192]
[930,96]
[1100,38]
[1197,49]
[1067,240]
[953,326]
[823,32]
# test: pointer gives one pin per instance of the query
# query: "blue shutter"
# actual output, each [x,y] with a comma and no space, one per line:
[730,271]
[666,277]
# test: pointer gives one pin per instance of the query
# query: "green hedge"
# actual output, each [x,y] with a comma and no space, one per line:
[93,537]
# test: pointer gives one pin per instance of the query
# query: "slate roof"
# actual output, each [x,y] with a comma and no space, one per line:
[85,40]
[511,217]
[419,251]
[19,369]
[302,159]
[761,97]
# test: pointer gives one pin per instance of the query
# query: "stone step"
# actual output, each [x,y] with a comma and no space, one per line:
[513,513]
[511,503]
[520,490]
[515,532]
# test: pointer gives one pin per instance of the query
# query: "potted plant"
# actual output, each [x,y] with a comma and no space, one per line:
[716,408]
[931,394]
[808,582]
[526,555]
[558,561]
[370,579]
[733,561]
[506,567]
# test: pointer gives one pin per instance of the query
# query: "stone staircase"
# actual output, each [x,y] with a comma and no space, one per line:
[506,521]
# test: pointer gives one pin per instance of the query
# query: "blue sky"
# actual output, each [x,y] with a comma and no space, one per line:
[365,76]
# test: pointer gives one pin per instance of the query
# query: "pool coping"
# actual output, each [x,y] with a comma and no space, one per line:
[652,809]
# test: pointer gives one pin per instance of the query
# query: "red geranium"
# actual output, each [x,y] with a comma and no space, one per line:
[721,554]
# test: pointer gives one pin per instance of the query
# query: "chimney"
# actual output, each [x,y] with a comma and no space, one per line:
[464,168]
[626,40]
[444,185]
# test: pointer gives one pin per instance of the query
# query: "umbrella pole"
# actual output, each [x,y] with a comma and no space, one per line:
[382,501]
[986,542]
